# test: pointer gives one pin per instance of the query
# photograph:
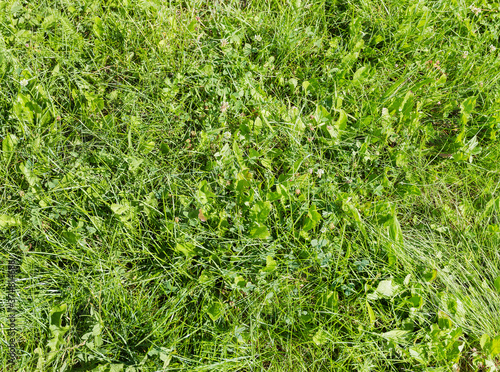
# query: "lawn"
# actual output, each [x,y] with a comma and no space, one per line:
[254,185]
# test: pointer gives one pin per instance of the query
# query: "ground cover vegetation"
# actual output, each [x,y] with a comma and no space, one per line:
[306,185]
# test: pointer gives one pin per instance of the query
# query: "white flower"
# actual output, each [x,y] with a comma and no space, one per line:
[224,42]
[224,106]
[23,82]
[475,10]
[227,135]
[320,172]
[258,38]
[466,53]
[492,48]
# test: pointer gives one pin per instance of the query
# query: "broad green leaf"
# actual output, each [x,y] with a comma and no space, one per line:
[147,147]
[23,108]
[134,163]
[8,145]
[56,329]
[115,367]
[361,74]
[371,313]
[386,117]
[49,22]
[28,174]
[466,108]
[306,316]
[387,288]
[192,25]
[266,163]
[396,335]
[215,311]
[416,302]
[259,231]
[312,219]
[330,131]
[497,284]
[485,340]
[329,299]
[270,264]
[119,209]
[257,125]
[238,153]
[341,123]
[260,211]
[495,346]
[240,281]
[188,249]
[444,320]
[98,27]
[204,193]
[150,204]
[441,81]
[378,39]
[8,221]
[320,337]
[71,237]
[430,275]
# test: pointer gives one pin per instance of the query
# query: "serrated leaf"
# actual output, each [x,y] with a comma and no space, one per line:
[56,329]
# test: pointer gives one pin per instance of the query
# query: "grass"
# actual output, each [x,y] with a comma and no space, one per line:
[250,185]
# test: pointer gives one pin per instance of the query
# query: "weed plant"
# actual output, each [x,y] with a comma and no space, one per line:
[299,185]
